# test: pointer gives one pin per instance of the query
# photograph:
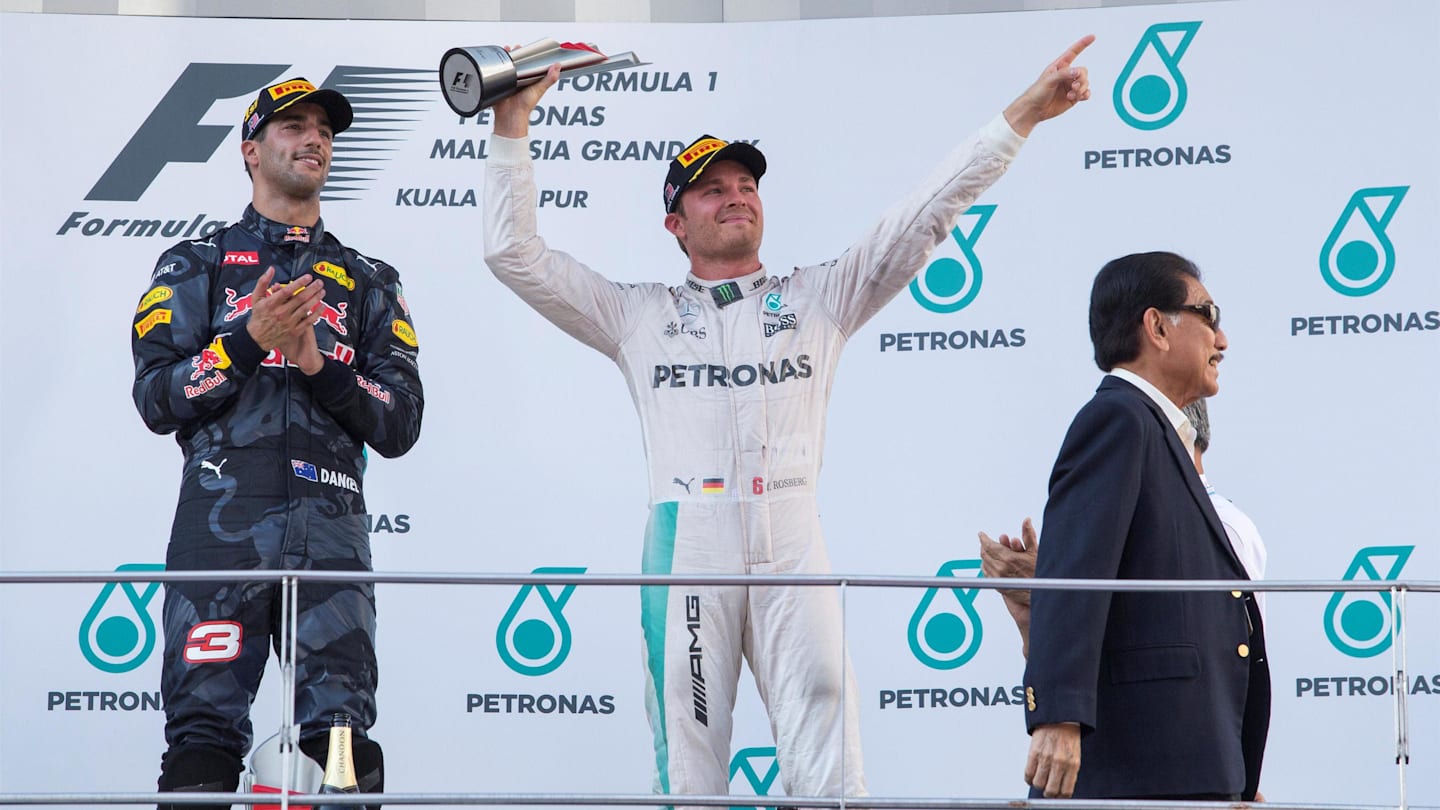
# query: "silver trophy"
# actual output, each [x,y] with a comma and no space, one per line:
[476,77]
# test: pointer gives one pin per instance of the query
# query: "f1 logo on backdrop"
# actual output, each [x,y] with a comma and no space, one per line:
[117,635]
[1358,257]
[942,637]
[749,762]
[533,637]
[949,284]
[173,133]
[1359,623]
[1150,92]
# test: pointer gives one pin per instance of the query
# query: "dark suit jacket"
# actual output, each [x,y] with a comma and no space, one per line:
[1171,689]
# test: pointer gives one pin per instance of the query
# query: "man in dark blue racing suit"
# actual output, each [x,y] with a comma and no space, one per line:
[275,354]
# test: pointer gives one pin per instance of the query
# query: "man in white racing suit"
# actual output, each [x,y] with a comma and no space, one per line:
[731,372]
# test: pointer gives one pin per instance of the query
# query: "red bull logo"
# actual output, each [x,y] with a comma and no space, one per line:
[343,353]
[206,385]
[238,306]
[210,358]
[334,316]
[204,363]
[373,389]
[297,233]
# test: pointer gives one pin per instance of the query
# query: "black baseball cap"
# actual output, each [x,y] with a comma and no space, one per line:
[687,167]
[288,93]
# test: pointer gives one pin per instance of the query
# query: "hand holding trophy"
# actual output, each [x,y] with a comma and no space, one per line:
[474,78]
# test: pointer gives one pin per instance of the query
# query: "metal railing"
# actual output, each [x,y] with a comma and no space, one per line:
[289,582]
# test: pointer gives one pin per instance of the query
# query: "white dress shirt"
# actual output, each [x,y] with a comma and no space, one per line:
[1177,417]
[1244,537]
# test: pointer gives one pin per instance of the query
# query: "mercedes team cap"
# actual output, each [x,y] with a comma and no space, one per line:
[285,94]
[707,149]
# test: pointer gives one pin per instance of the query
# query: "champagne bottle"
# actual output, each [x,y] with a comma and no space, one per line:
[340,762]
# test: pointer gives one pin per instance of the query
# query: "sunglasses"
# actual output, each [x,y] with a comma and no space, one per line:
[1210,312]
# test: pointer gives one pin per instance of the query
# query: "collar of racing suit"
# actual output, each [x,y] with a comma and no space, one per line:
[730,290]
[278,233]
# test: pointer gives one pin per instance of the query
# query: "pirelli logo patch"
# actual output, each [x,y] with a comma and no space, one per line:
[700,150]
[279,91]
[151,321]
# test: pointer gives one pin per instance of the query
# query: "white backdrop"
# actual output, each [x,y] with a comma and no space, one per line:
[530,455]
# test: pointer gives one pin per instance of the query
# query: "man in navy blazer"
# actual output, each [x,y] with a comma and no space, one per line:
[1143,694]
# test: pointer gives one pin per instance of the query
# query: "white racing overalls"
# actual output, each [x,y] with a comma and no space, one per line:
[731,382]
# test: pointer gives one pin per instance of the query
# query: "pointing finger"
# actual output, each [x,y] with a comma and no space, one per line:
[1074,50]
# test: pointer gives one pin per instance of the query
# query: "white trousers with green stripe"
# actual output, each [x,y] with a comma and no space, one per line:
[694,637]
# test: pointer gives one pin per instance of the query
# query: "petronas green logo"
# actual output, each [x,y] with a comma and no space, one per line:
[760,769]
[1151,92]
[949,284]
[533,637]
[1358,257]
[946,634]
[117,633]
[1359,623]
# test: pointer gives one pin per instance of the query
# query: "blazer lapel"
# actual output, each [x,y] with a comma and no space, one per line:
[1189,473]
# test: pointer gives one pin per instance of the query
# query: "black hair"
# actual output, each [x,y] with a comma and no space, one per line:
[258,135]
[1126,287]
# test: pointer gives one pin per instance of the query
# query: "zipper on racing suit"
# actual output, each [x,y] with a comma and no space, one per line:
[296,516]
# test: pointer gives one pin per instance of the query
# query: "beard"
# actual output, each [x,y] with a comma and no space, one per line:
[283,174]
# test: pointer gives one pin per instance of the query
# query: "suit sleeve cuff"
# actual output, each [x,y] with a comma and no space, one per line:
[333,382]
[998,137]
[508,151]
[245,353]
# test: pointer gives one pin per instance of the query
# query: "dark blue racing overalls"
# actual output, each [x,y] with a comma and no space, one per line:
[273,467]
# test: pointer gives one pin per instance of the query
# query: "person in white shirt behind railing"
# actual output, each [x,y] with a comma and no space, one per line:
[1244,537]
